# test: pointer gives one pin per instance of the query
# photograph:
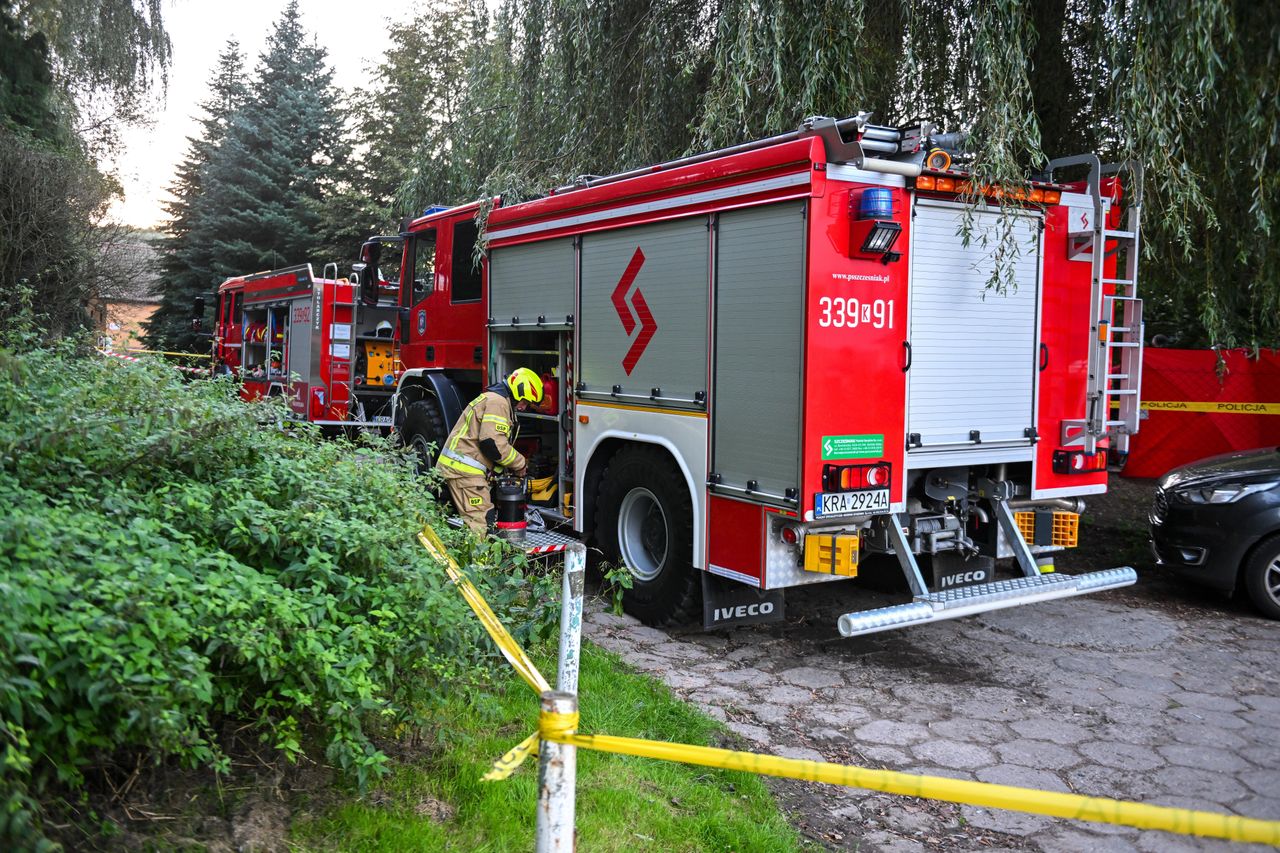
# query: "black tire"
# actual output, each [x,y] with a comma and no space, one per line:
[644,521]
[424,431]
[1262,576]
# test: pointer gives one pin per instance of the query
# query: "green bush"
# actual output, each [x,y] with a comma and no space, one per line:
[173,560]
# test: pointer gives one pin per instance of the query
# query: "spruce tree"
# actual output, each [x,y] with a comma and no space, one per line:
[266,187]
[186,254]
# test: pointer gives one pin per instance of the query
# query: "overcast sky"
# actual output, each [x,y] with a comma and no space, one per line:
[353,34]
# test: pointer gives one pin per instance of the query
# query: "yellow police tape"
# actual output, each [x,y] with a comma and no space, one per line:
[162,352]
[506,643]
[562,728]
[1099,809]
[1217,407]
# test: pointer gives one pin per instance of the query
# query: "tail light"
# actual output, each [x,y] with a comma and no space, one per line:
[844,478]
[1075,462]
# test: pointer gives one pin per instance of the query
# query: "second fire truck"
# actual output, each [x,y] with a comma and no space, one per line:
[763,363]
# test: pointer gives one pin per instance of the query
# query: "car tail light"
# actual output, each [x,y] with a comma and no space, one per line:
[844,478]
[1075,462]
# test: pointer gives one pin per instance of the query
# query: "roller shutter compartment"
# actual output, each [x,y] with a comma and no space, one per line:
[533,280]
[759,322]
[973,349]
[644,312]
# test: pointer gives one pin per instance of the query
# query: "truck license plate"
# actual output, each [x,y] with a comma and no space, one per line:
[864,502]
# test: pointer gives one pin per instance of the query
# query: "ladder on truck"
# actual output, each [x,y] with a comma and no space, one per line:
[1115,350]
[350,361]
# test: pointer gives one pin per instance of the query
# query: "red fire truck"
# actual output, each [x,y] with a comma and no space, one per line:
[767,362]
[327,345]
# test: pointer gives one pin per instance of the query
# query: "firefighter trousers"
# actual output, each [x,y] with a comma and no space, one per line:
[471,496]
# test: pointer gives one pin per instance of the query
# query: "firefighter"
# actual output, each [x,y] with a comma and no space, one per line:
[482,442]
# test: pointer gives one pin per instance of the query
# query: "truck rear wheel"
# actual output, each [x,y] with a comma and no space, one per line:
[644,521]
[424,431]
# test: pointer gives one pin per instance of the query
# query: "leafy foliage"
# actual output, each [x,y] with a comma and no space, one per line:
[58,252]
[53,257]
[596,86]
[176,563]
[106,57]
[415,105]
[28,98]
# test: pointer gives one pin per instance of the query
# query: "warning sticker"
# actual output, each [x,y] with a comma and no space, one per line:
[852,446]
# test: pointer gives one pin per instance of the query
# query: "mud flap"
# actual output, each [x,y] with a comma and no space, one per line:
[727,603]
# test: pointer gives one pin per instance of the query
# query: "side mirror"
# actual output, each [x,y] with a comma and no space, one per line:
[370,253]
[197,314]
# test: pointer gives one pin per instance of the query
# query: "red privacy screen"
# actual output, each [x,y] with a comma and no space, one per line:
[1192,412]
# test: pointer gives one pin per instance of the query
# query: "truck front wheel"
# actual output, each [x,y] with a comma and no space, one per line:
[644,521]
[425,431]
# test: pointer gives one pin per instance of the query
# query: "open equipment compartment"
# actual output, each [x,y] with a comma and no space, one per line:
[532,299]
[544,436]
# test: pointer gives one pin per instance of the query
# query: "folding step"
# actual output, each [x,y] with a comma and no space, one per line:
[981,598]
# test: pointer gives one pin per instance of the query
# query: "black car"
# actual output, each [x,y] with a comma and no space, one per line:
[1217,522]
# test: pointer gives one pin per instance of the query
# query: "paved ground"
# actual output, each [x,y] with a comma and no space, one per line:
[1159,694]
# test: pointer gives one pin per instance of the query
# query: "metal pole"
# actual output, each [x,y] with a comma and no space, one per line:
[557,777]
[575,567]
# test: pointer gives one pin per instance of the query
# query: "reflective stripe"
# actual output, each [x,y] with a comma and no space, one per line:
[464,430]
[456,460]
[510,457]
[495,419]
[461,466]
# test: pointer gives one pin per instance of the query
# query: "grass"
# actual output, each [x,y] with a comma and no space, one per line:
[623,803]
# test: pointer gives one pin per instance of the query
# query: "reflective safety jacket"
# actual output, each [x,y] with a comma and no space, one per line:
[482,438]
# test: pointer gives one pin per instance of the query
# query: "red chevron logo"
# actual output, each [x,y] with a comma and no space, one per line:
[648,326]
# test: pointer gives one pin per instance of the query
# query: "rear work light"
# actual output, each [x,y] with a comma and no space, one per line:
[844,478]
[881,237]
[1075,462]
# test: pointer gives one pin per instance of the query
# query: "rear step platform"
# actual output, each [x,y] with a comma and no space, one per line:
[980,598]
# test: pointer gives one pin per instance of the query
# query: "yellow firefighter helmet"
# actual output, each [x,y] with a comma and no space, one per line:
[525,385]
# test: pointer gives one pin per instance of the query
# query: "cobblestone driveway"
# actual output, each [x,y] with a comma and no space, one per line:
[1122,695]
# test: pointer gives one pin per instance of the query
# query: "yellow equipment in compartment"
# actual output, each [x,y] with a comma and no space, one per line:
[542,490]
[381,363]
[831,554]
